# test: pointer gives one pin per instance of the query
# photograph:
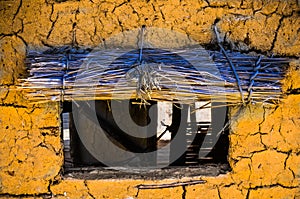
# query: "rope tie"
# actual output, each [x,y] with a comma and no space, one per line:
[253,76]
[231,64]
[66,68]
[142,44]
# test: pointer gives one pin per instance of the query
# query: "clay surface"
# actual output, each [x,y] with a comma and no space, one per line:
[264,149]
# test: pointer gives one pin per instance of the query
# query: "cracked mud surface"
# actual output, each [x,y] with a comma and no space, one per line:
[270,26]
[264,149]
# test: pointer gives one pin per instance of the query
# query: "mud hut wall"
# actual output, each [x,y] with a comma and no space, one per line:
[264,142]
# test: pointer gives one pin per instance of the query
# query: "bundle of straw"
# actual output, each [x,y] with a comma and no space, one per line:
[185,75]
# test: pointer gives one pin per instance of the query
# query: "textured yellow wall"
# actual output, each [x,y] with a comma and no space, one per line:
[264,142]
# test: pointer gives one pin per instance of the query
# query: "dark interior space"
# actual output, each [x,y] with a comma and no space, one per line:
[192,137]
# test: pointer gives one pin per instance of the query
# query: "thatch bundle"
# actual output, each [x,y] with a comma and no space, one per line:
[185,75]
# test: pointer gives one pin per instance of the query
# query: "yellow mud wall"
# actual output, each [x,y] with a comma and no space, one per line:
[264,149]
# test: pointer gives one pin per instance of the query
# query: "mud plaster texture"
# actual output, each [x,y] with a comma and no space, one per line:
[264,141]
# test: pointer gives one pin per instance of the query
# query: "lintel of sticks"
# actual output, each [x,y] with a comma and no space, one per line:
[181,75]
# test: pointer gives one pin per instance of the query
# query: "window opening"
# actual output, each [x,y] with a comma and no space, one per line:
[166,127]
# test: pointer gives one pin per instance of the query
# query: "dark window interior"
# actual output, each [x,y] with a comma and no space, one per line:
[77,156]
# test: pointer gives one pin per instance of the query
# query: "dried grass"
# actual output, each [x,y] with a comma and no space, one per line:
[71,76]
